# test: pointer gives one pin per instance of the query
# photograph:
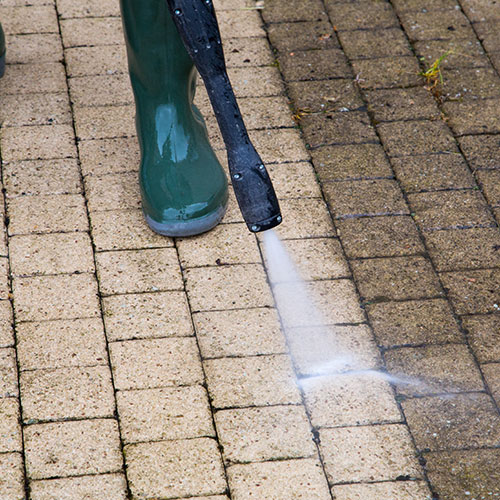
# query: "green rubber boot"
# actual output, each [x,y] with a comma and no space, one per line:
[2,52]
[183,186]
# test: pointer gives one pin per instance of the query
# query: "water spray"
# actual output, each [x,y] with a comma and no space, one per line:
[197,25]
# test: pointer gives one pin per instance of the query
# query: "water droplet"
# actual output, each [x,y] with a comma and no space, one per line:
[237,176]
[209,46]
[261,167]
[255,228]
[178,12]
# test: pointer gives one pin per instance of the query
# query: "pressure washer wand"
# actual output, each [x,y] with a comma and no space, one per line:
[197,25]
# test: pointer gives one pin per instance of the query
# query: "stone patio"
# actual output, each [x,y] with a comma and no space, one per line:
[134,366]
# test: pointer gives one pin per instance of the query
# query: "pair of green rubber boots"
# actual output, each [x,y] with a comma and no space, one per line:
[183,186]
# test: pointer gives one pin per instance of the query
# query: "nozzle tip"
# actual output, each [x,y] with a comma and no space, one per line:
[264,225]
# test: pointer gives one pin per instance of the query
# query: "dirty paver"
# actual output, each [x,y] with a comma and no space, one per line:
[134,366]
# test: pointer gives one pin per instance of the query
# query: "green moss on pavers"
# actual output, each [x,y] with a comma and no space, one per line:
[483,333]
[460,421]
[351,162]
[314,65]
[416,138]
[379,237]
[338,128]
[464,53]
[481,151]
[365,44]
[361,198]
[473,292]
[277,11]
[402,104]
[325,95]
[474,117]
[464,474]
[489,181]
[450,210]
[364,15]
[395,278]
[450,24]
[387,72]
[473,248]
[434,369]
[470,83]
[432,172]
[307,35]
[413,322]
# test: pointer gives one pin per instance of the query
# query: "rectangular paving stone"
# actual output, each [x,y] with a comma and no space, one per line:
[368,453]
[414,490]
[379,237]
[247,52]
[246,332]
[109,156]
[413,322]
[488,180]
[35,48]
[66,393]
[172,469]
[432,172]
[8,373]
[57,253]
[225,244]
[99,60]
[62,343]
[314,65]
[396,278]
[104,122]
[464,248]
[4,276]
[10,430]
[304,218]
[320,350]
[275,12]
[279,480]
[93,8]
[337,128]
[453,473]
[161,414]
[62,449]
[81,32]
[418,137]
[133,271]
[473,292]
[101,90]
[345,399]
[259,434]
[29,19]
[41,214]
[434,369]
[112,486]
[351,17]
[254,381]
[12,476]
[483,333]
[34,109]
[405,5]
[351,162]
[386,72]
[335,301]
[481,151]
[147,315]
[44,177]
[227,287]
[266,81]
[365,197]
[491,372]
[240,23]
[278,146]
[266,112]
[38,142]
[364,44]
[473,117]
[124,230]
[450,210]
[6,326]
[150,363]
[470,83]
[36,78]
[463,421]
[55,297]
[294,180]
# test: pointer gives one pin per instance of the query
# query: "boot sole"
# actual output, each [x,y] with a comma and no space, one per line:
[2,65]
[187,228]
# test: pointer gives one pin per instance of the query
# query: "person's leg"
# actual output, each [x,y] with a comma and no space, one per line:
[183,186]
[2,52]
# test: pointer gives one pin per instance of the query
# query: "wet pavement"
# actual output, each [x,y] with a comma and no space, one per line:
[134,366]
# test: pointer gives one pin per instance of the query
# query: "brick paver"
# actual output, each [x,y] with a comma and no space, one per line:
[137,366]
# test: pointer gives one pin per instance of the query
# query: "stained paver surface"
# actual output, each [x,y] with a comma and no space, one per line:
[134,366]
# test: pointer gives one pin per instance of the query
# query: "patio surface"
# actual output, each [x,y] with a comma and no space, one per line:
[134,366]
